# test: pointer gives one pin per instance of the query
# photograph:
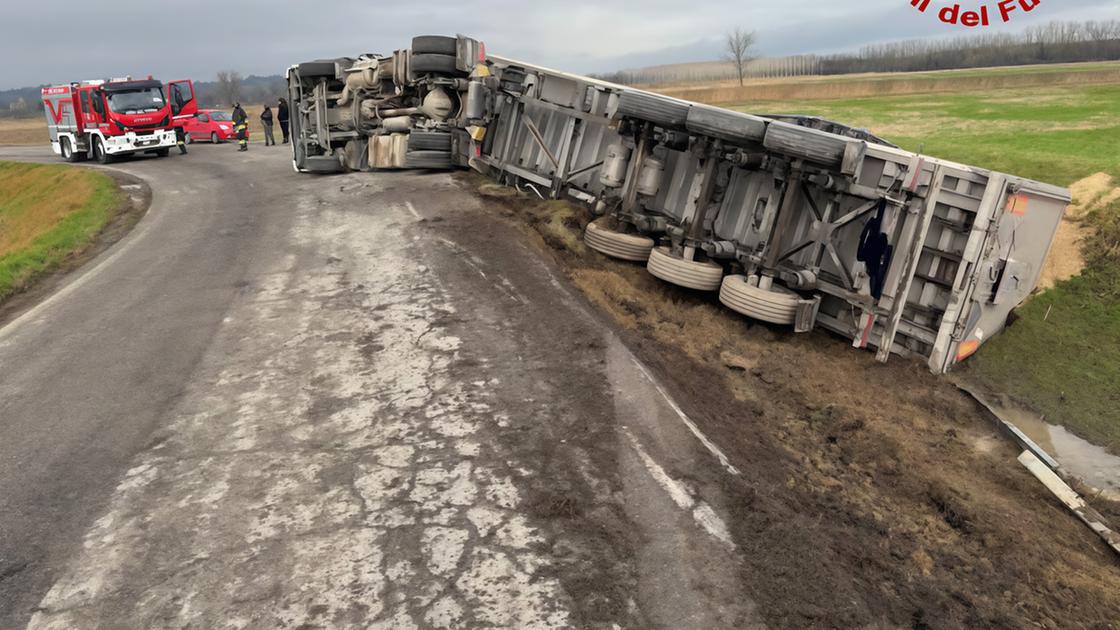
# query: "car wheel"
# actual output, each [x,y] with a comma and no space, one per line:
[433,63]
[99,153]
[214,137]
[437,44]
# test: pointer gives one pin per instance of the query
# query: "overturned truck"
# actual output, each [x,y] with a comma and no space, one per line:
[795,220]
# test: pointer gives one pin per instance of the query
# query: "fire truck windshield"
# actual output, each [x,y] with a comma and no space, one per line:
[136,101]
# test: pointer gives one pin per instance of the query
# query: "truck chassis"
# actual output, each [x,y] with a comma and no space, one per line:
[795,220]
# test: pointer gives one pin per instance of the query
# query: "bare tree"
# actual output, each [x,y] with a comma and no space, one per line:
[229,86]
[737,48]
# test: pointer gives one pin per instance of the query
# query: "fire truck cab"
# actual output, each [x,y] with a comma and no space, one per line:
[101,120]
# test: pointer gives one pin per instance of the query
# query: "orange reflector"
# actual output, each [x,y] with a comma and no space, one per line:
[966,349]
[1017,204]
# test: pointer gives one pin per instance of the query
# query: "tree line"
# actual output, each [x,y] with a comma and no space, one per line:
[1055,42]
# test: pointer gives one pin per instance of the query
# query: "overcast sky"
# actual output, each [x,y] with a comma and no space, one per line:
[51,41]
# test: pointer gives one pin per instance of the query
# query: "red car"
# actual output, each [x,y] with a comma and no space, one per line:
[210,124]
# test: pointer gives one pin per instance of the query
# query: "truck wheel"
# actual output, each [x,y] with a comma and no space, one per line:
[420,140]
[693,274]
[68,151]
[776,305]
[619,245]
[429,62]
[163,152]
[99,153]
[214,137]
[436,44]
[428,159]
[322,164]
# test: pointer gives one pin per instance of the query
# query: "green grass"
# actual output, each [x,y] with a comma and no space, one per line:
[1065,364]
[1063,354]
[48,213]
[1056,135]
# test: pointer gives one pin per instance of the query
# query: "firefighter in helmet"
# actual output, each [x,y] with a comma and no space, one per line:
[240,125]
[181,139]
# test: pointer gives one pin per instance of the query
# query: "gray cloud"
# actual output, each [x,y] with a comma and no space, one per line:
[49,42]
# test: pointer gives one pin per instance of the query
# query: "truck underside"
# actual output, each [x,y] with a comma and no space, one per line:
[793,219]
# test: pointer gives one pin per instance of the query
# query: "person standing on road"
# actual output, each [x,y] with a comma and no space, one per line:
[240,124]
[266,122]
[181,139]
[282,118]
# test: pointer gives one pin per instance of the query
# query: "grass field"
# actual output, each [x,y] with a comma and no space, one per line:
[48,213]
[1063,355]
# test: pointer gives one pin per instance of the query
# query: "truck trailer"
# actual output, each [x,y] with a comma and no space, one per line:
[102,120]
[794,220]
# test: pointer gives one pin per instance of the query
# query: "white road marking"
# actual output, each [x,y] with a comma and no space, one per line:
[474,262]
[412,209]
[701,512]
[712,448]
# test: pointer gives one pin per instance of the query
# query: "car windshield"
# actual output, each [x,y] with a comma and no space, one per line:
[136,101]
[221,116]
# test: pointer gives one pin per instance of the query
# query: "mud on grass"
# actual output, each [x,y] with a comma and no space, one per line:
[871,495]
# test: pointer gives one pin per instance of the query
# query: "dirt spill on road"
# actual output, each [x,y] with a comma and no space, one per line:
[872,495]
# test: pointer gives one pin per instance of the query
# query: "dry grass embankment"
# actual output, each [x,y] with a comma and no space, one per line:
[48,213]
[887,84]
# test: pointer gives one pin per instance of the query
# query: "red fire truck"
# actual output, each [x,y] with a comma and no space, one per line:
[105,119]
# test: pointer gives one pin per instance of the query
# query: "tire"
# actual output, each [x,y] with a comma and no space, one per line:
[214,137]
[434,44]
[67,150]
[99,153]
[691,274]
[428,159]
[322,164]
[811,144]
[660,110]
[432,63]
[320,68]
[776,305]
[420,140]
[618,245]
[163,152]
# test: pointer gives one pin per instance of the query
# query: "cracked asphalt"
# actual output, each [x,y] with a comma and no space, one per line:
[291,401]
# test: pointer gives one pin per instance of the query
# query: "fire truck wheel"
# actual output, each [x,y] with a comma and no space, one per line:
[68,151]
[428,62]
[214,137]
[692,274]
[776,305]
[163,152]
[99,153]
[619,245]
[437,44]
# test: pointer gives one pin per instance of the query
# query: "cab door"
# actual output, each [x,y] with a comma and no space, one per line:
[182,99]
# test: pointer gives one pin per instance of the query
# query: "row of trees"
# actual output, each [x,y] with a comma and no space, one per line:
[1055,42]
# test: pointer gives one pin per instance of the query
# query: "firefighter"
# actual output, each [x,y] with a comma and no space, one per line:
[181,139]
[240,125]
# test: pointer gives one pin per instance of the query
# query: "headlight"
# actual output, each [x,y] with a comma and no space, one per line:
[224,127]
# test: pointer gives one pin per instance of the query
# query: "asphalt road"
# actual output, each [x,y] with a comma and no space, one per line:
[349,401]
